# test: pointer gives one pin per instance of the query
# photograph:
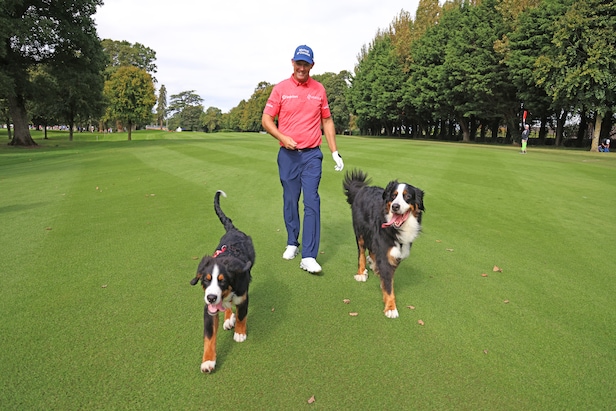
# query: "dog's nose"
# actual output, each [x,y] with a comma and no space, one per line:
[211,298]
[395,207]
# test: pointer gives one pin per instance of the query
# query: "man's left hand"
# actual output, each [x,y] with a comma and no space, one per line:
[338,160]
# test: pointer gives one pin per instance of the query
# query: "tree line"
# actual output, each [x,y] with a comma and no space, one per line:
[469,68]
[464,70]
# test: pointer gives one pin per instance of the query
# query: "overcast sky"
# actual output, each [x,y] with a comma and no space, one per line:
[223,49]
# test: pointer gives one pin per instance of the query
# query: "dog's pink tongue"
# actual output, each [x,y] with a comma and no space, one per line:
[396,219]
[215,308]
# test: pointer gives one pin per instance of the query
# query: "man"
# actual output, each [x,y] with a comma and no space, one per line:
[605,145]
[525,134]
[300,103]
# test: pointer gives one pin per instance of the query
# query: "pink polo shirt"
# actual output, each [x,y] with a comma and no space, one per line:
[300,108]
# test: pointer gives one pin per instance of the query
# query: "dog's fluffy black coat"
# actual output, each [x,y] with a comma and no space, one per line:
[225,277]
[385,222]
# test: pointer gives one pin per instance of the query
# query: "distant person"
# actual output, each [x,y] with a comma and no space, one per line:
[525,134]
[300,103]
[605,145]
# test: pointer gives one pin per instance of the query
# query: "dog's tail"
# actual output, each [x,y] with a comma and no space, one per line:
[226,221]
[353,182]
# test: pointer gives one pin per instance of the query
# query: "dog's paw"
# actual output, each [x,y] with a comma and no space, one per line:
[391,313]
[208,366]
[371,263]
[239,337]
[230,323]
[362,277]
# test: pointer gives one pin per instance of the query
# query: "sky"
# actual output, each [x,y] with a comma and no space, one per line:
[222,50]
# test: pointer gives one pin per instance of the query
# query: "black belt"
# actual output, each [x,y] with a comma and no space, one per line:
[303,150]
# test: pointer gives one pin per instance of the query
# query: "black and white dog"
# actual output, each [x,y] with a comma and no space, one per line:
[225,277]
[385,221]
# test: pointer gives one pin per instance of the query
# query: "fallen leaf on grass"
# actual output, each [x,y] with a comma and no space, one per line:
[506,301]
[273,309]
[104,286]
[485,351]
[497,269]
[311,400]
[420,322]
[410,307]
[346,301]
[48,228]
[438,241]
[353,314]
[449,249]
[484,275]
[195,257]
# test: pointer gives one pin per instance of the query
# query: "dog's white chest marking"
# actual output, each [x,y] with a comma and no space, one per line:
[406,235]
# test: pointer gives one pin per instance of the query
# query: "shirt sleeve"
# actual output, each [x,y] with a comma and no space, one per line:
[272,106]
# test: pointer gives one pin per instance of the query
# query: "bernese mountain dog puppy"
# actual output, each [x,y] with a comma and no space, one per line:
[225,277]
[385,221]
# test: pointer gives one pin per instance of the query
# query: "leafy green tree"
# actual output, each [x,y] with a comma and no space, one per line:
[522,47]
[376,90]
[130,96]
[232,119]
[186,110]
[336,86]
[161,106]
[42,32]
[124,53]
[211,119]
[582,63]
[191,118]
[44,108]
[252,110]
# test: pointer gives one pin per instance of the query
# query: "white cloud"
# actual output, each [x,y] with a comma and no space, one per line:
[222,51]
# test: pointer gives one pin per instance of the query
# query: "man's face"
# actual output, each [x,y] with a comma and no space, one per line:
[301,70]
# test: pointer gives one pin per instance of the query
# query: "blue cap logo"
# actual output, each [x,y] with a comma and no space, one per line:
[304,53]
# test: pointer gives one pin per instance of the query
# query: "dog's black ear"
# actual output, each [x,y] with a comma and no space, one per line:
[419,194]
[195,280]
[247,266]
[389,189]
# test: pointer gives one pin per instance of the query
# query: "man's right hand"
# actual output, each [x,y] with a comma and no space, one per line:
[288,143]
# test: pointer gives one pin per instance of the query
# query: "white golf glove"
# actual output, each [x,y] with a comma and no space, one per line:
[338,159]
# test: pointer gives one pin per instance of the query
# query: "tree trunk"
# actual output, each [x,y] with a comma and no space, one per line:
[594,146]
[466,133]
[560,127]
[130,128]
[21,132]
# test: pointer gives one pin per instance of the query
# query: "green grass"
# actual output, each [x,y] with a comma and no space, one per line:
[101,236]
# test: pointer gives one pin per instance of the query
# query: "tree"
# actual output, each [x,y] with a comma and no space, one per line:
[187,109]
[161,106]
[211,119]
[336,86]
[123,53]
[252,111]
[41,32]
[582,63]
[130,96]
[522,47]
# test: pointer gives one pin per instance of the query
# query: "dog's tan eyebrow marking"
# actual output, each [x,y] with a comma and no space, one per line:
[208,277]
[221,277]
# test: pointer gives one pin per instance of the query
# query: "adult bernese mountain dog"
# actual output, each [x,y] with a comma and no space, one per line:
[225,277]
[385,221]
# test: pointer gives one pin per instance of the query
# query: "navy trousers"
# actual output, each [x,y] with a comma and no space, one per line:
[300,173]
